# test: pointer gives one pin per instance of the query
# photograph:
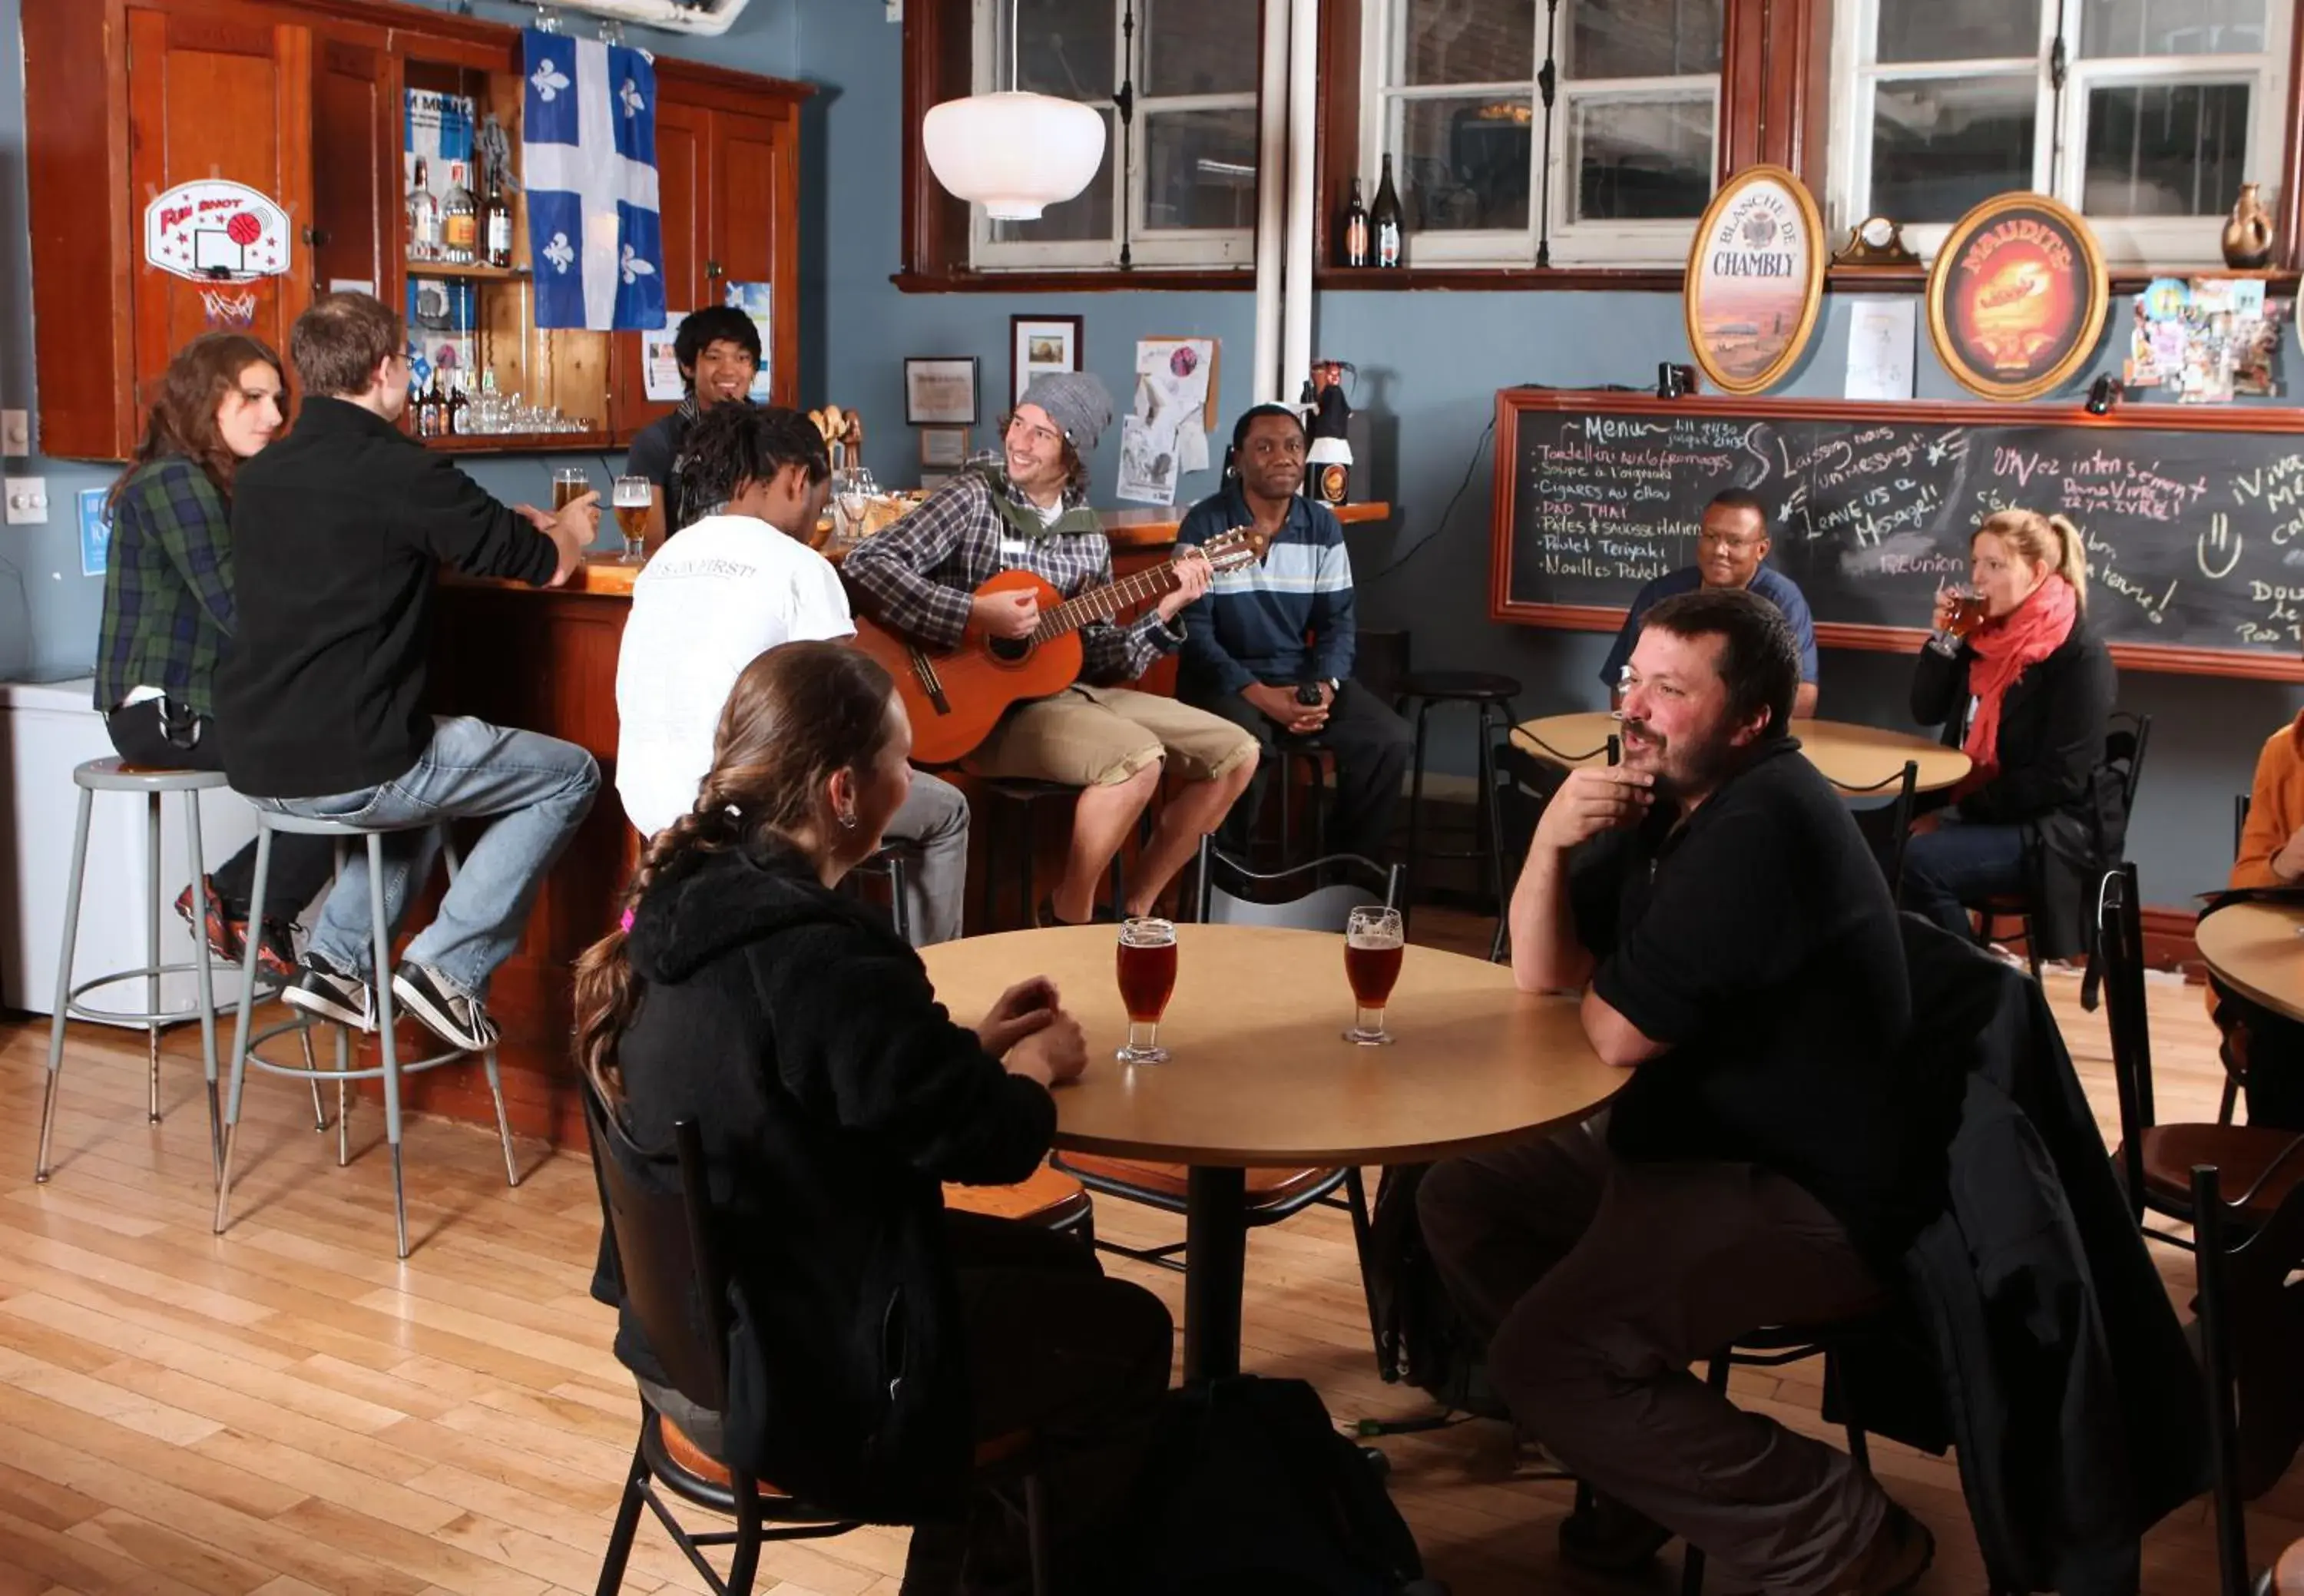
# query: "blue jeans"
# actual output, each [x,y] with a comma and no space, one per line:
[1958,864]
[537,788]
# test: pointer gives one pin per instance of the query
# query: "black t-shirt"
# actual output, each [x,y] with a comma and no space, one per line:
[657,455]
[1760,941]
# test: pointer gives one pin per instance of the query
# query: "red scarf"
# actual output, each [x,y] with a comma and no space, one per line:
[2005,651]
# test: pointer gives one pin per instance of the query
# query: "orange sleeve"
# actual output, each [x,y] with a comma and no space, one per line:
[2275,808]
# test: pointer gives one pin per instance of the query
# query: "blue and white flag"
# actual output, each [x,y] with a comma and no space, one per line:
[588,141]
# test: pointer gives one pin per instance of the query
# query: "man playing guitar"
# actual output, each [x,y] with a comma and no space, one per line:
[1027,508]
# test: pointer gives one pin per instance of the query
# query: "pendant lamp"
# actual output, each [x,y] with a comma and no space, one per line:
[1013,153]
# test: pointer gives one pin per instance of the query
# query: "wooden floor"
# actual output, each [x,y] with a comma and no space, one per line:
[288,1410]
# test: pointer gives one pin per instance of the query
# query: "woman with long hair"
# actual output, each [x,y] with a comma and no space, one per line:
[2026,693]
[875,1336]
[168,612]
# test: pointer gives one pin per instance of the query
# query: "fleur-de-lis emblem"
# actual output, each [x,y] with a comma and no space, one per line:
[630,96]
[548,82]
[636,266]
[559,252]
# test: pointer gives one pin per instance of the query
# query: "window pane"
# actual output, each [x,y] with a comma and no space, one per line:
[1197,47]
[2165,150]
[1199,169]
[1642,38]
[1958,30]
[1086,216]
[1463,164]
[1067,48]
[1639,160]
[2171,27]
[1467,41]
[1940,146]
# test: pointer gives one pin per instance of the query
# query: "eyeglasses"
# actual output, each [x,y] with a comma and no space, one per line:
[1722,540]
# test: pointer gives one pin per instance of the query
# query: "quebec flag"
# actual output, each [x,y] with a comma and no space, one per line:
[588,142]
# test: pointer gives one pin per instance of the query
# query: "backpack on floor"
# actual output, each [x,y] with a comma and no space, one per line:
[1249,1492]
[1419,1335]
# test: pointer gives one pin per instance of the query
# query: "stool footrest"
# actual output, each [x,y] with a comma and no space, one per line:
[314,1072]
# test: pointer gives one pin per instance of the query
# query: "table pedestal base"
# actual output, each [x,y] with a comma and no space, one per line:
[1215,1259]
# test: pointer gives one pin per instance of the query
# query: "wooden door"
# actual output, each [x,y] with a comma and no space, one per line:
[754,202]
[354,232]
[683,157]
[221,95]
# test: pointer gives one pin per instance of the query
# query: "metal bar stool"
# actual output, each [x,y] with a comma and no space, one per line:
[1490,697]
[114,775]
[390,1070]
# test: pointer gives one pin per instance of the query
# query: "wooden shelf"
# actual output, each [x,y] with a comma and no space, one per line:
[477,274]
[521,443]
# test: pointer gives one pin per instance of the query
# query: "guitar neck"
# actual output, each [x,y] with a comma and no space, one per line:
[1102,604]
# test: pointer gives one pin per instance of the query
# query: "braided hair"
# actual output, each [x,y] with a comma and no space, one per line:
[798,715]
[732,445]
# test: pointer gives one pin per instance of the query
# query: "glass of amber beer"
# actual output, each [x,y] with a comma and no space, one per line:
[1374,943]
[634,497]
[1147,975]
[569,484]
[1964,609]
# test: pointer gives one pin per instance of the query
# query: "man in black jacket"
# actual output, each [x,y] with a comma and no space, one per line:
[340,538]
[1735,949]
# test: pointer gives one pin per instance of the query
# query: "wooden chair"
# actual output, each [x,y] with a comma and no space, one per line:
[676,1285]
[2252,1324]
[1907,784]
[2124,745]
[2155,1161]
[1273,1194]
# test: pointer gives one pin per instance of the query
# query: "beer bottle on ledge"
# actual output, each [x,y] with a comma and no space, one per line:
[1384,220]
[1355,235]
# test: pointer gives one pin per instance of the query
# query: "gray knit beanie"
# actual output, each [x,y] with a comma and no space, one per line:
[1077,401]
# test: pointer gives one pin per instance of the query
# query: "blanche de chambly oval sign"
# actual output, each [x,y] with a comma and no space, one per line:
[1755,280]
[212,230]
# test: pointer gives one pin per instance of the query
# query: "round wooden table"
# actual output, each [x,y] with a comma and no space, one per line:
[1851,758]
[1260,1074]
[2257,950]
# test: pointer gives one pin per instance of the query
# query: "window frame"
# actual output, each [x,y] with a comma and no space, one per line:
[2175,242]
[1226,248]
[1571,244]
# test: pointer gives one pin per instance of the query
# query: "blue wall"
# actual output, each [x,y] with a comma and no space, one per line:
[1429,365]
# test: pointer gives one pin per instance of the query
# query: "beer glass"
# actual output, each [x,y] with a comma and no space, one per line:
[569,484]
[1964,608]
[633,496]
[1374,945]
[1147,968]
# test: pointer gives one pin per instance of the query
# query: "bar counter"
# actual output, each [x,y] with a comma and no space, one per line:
[545,659]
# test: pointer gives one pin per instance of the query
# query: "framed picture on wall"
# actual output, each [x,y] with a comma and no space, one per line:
[943,448]
[1039,344]
[940,390]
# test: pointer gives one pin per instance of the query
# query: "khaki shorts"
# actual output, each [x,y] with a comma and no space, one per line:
[1100,736]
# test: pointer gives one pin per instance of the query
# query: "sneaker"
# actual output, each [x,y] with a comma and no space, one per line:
[448,1011]
[275,950]
[320,988]
[1604,1536]
[223,933]
[1901,1550]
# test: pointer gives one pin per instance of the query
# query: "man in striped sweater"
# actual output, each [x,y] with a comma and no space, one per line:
[1269,647]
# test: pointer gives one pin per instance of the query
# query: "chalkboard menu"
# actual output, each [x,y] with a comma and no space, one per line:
[2194,518]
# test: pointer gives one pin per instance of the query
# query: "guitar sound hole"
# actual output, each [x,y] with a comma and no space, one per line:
[1010,651]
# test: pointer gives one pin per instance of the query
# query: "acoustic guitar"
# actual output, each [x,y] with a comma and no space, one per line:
[955,698]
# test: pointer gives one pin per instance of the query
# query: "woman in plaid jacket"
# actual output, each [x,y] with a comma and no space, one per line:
[168,611]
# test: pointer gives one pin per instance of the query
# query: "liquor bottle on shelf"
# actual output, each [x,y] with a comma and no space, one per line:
[1384,220]
[459,220]
[432,414]
[457,406]
[423,217]
[496,221]
[1355,235]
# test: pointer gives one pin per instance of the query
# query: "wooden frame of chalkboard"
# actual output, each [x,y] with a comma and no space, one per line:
[2192,541]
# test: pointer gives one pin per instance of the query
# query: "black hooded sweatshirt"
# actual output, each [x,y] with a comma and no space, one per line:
[834,1095]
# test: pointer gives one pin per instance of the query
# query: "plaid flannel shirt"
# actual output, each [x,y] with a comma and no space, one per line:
[917,577]
[167,587]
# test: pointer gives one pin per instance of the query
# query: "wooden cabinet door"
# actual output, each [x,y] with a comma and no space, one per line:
[683,157]
[754,208]
[354,232]
[225,96]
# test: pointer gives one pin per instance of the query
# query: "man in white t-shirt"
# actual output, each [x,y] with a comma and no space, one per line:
[732,586]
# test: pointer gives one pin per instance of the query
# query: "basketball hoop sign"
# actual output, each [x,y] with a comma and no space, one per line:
[213,232]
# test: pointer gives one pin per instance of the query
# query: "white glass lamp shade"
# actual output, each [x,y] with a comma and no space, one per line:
[1014,153]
